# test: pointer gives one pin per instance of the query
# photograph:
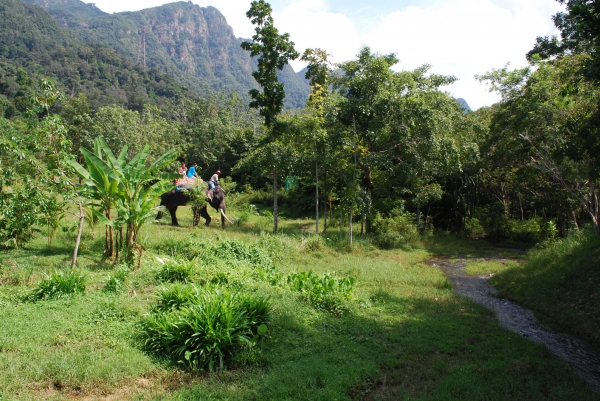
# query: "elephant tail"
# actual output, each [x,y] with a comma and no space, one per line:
[225,217]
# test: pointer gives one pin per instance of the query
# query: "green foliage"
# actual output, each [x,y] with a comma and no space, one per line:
[175,296]
[398,229]
[132,186]
[208,333]
[327,292]
[118,281]
[59,284]
[273,51]
[559,281]
[177,271]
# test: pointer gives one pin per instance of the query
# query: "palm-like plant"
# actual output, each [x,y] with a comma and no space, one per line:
[131,187]
[100,183]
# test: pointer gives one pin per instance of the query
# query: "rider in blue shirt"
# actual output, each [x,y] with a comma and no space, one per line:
[192,171]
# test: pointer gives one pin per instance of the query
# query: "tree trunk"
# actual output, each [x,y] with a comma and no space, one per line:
[317,196]
[350,226]
[275,211]
[575,219]
[79,231]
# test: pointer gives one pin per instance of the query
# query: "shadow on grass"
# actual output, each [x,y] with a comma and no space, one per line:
[424,349]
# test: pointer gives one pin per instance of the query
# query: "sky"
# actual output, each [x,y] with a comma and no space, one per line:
[456,37]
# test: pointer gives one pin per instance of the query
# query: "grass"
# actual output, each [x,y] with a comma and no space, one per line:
[484,266]
[404,334]
[560,282]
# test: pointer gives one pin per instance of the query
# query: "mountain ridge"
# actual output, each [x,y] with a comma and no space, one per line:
[194,44]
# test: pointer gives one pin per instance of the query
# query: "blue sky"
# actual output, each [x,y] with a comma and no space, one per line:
[456,37]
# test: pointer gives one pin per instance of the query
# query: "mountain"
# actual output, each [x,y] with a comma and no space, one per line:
[194,44]
[33,46]
[464,105]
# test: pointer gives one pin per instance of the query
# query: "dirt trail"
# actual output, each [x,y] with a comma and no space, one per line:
[519,319]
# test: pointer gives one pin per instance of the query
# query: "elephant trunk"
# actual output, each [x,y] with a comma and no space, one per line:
[225,217]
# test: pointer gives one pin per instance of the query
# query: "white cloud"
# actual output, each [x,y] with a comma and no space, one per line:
[311,25]
[457,37]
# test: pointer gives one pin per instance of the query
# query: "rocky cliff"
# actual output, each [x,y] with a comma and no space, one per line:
[194,44]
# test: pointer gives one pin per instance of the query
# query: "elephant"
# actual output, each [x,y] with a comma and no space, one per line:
[172,199]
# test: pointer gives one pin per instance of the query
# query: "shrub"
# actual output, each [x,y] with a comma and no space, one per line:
[236,251]
[494,221]
[175,270]
[175,296]
[396,230]
[210,331]
[119,280]
[59,285]
[327,293]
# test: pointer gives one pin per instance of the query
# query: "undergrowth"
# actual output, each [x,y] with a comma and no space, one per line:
[560,282]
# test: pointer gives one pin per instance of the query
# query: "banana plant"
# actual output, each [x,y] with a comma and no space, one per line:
[100,184]
[130,187]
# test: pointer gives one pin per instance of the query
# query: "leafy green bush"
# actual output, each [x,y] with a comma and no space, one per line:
[327,293]
[398,229]
[119,280]
[494,221]
[210,331]
[270,274]
[175,296]
[175,270]
[59,285]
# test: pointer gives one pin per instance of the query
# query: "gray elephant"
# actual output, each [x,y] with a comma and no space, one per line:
[173,199]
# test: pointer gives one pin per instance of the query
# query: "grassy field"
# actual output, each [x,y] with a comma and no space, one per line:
[560,282]
[402,334]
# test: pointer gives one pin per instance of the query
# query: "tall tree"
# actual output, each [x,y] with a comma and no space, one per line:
[274,51]
[318,73]
[580,33]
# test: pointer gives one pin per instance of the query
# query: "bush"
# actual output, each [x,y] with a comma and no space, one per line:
[210,331]
[396,230]
[175,296]
[174,270]
[118,281]
[494,221]
[327,293]
[59,285]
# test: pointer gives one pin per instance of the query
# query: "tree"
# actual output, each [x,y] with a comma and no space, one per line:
[274,51]
[548,113]
[133,188]
[52,133]
[580,33]
[318,72]
[404,132]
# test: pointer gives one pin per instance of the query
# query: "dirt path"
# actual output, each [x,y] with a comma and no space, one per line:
[519,319]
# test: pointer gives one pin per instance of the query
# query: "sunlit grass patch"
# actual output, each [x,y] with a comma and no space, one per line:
[486,266]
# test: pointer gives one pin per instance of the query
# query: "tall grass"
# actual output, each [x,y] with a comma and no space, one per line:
[207,329]
[403,333]
[560,281]
[59,284]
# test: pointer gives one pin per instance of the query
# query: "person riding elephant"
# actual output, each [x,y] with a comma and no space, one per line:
[173,199]
[192,172]
[212,184]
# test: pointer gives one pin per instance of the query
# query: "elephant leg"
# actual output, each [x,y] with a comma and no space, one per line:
[205,216]
[197,212]
[173,212]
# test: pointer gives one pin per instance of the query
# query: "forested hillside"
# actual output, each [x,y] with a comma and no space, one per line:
[33,45]
[378,179]
[194,44]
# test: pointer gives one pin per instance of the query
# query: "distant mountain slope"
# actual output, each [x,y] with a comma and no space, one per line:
[33,45]
[463,103]
[194,44]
